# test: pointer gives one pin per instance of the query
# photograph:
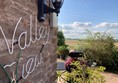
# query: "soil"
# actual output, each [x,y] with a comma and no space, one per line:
[110,77]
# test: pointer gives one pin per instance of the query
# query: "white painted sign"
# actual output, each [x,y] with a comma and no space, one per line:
[43,32]
[33,62]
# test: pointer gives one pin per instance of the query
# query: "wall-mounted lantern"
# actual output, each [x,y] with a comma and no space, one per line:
[44,9]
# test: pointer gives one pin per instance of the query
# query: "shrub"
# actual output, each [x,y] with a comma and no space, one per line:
[101,48]
[62,51]
[83,74]
[61,39]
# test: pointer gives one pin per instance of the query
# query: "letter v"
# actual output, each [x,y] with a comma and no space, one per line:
[10,51]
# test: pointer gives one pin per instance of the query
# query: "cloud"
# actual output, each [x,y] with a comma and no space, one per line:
[81,24]
[77,25]
[107,25]
[78,29]
[115,25]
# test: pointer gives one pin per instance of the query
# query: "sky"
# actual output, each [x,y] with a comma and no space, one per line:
[77,16]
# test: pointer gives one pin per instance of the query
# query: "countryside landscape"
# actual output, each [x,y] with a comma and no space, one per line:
[98,47]
[110,77]
[58,41]
[72,43]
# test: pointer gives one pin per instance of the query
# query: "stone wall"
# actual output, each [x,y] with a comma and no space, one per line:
[27,47]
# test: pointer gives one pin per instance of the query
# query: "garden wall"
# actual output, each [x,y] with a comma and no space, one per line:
[27,47]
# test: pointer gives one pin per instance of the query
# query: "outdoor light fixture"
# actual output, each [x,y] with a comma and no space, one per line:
[44,9]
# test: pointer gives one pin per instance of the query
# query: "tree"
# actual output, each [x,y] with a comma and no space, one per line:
[61,39]
[101,48]
[62,52]
[62,49]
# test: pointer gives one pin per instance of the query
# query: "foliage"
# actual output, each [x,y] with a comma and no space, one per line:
[61,39]
[62,51]
[12,79]
[101,48]
[83,74]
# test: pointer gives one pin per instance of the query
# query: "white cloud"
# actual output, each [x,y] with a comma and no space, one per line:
[77,25]
[78,29]
[104,24]
[115,25]
[81,24]
[107,25]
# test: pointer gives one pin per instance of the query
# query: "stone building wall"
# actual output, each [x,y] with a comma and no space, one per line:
[27,47]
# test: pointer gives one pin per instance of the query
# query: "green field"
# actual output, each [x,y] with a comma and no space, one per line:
[74,43]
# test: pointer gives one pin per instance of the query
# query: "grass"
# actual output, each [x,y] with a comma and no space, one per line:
[72,44]
[116,44]
[76,44]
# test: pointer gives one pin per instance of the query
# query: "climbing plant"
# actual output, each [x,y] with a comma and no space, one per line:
[13,79]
